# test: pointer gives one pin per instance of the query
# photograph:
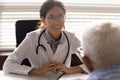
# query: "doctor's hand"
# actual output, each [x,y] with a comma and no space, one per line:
[46,68]
[58,67]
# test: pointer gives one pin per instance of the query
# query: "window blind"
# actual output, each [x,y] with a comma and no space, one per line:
[79,15]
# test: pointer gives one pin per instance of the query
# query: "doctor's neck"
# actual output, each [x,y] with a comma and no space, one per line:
[56,36]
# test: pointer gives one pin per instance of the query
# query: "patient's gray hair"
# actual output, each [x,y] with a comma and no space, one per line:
[101,44]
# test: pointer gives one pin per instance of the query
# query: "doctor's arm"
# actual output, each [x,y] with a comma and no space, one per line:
[42,70]
[55,67]
[13,62]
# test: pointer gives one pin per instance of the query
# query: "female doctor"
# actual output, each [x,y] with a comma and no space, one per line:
[49,49]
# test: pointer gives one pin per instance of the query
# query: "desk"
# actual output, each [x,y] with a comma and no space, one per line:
[22,77]
[77,76]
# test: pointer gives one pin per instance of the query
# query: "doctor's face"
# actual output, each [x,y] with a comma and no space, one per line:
[54,20]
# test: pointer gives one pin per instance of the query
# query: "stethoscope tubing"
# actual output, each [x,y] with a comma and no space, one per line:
[40,45]
[39,42]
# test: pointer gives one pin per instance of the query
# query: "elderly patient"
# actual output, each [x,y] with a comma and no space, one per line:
[101,48]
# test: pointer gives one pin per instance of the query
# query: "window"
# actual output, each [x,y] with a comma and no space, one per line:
[80,13]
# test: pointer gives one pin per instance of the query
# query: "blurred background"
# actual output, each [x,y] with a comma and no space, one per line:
[80,13]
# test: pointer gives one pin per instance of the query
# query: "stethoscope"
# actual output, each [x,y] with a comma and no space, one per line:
[40,45]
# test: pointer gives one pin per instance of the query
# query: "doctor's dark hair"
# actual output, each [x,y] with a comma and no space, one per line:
[49,4]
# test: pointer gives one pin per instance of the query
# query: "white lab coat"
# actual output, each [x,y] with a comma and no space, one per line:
[27,49]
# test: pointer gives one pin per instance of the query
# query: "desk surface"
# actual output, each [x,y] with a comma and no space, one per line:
[22,77]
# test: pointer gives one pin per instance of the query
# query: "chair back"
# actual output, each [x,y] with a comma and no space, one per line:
[23,27]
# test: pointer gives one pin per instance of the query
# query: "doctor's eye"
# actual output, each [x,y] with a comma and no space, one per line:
[52,18]
[61,16]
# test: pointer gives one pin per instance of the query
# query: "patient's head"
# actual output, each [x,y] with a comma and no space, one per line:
[101,45]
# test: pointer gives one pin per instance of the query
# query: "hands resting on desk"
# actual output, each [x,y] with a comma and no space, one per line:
[54,67]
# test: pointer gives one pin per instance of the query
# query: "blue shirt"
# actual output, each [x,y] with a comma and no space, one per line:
[107,73]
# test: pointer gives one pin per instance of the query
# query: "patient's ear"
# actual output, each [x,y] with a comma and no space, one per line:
[87,62]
